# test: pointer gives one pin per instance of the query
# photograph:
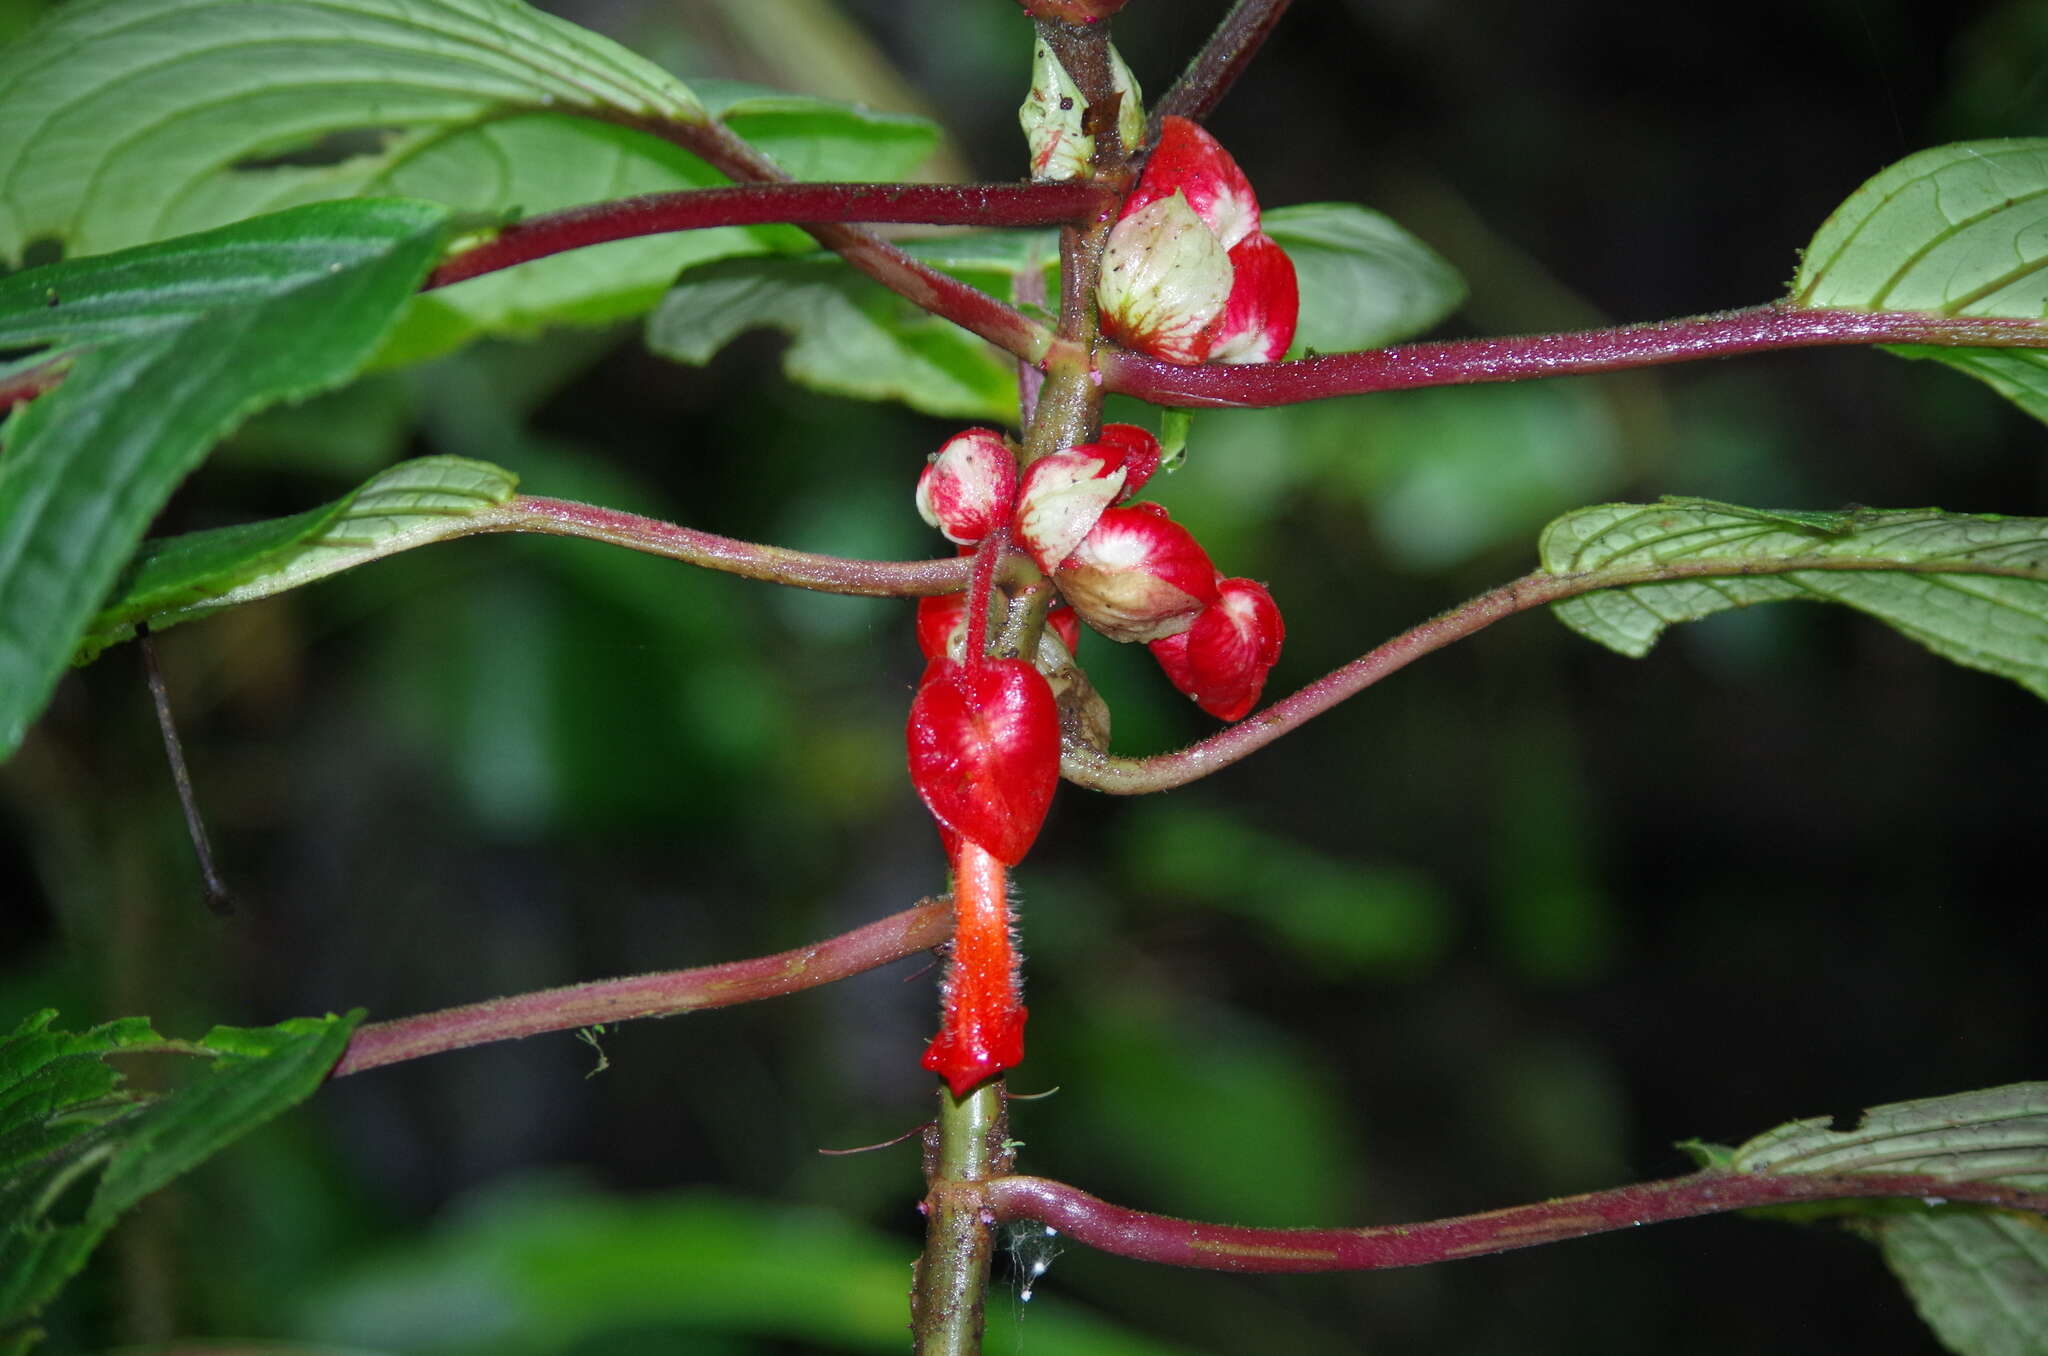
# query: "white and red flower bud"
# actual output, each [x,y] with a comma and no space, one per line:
[1190,162]
[1138,575]
[1187,274]
[1222,660]
[1054,112]
[1265,302]
[968,486]
[1166,282]
[984,746]
[1063,494]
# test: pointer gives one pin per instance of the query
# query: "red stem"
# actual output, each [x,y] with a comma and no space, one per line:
[657,995]
[916,282]
[775,564]
[795,204]
[1461,361]
[1222,1247]
[980,588]
[1220,62]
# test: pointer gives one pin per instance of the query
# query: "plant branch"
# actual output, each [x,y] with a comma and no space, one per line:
[1220,62]
[1462,361]
[1220,1247]
[919,283]
[658,995]
[1085,765]
[775,564]
[794,204]
[969,1147]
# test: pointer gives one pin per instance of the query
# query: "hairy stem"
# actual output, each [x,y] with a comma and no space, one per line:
[794,204]
[658,995]
[1222,1247]
[922,285]
[1220,62]
[970,1145]
[1463,361]
[774,564]
[1085,765]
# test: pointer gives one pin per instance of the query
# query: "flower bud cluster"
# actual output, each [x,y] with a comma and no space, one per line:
[1126,569]
[1188,275]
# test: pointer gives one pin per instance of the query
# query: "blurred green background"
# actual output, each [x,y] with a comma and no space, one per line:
[1503,928]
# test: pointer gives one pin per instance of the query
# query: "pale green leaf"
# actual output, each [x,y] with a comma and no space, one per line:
[1954,230]
[1365,282]
[1993,1135]
[849,335]
[415,503]
[1972,588]
[1979,1277]
[170,346]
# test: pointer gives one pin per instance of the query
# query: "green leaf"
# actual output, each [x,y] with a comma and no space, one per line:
[78,1149]
[133,120]
[1972,588]
[1995,1135]
[415,503]
[1954,230]
[1979,1277]
[1365,282]
[850,336]
[170,346]
[137,120]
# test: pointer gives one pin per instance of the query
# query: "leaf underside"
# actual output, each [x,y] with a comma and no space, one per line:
[1978,1276]
[1972,588]
[178,579]
[1958,230]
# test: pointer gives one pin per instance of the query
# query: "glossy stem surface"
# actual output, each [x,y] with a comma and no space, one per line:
[1223,1247]
[1455,362]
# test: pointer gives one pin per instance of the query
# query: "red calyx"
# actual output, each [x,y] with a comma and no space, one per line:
[1138,575]
[984,745]
[1222,660]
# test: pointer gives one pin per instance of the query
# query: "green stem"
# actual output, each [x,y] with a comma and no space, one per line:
[971,1147]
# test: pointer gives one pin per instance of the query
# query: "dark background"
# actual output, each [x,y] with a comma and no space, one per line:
[1504,928]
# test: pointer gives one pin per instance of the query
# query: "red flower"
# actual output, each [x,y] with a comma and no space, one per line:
[1138,575]
[968,486]
[984,742]
[1188,275]
[1223,659]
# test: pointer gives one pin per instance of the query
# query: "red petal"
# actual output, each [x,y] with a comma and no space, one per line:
[1230,649]
[1067,626]
[1134,449]
[941,621]
[984,744]
[1138,576]
[1265,302]
[968,486]
[1188,160]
